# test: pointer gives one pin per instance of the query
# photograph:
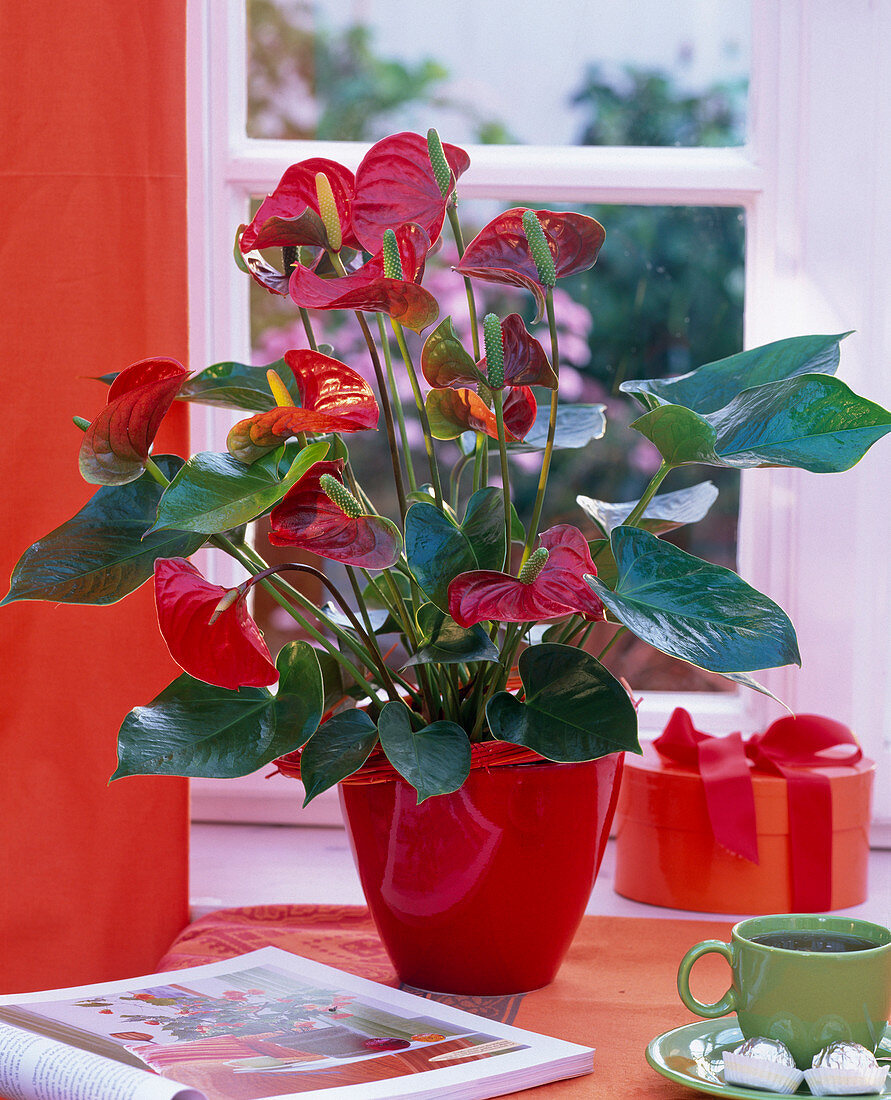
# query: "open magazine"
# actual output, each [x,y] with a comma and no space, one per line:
[262,1025]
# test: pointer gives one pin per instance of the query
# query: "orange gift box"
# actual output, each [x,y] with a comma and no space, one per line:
[667,853]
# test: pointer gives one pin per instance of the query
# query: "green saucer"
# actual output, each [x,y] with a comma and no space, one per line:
[692,1056]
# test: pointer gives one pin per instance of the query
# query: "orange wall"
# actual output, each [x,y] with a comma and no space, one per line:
[93,270]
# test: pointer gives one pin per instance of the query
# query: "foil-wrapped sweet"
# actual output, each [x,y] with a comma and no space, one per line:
[761,1063]
[845,1069]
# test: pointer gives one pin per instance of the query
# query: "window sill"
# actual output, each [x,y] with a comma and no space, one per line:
[239,865]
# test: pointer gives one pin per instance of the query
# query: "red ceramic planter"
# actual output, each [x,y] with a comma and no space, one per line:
[481,891]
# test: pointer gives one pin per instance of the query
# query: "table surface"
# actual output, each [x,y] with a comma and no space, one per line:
[615,991]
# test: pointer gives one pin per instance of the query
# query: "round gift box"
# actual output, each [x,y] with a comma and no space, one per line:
[666,854]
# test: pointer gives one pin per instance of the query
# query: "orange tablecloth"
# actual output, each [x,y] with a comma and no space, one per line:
[615,991]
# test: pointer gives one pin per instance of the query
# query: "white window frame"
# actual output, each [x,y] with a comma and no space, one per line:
[818,126]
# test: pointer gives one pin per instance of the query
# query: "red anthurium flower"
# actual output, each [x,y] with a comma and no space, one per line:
[368,289]
[116,445]
[500,253]
[289,216]
[395,184]
[307,517]
[452,412]
[334,398]
[229,652]
[558,589]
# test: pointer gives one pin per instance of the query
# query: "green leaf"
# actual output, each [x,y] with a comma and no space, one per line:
[664,512]
[438,550]
[574,709]
[214,492]
[238,386]
[577,426]
[337,749]
[446,643]
[813,421]
[103,553]
[298,705]
[714,385]
[693,610]
[745,680]
[198,729]
[434,760]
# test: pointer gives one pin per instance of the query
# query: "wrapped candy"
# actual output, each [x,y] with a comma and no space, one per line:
[761,1063]
[845,1069]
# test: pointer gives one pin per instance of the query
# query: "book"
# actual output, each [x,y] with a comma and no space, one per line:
[263,1025]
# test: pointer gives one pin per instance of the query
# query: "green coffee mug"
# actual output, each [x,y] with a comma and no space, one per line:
[802,979]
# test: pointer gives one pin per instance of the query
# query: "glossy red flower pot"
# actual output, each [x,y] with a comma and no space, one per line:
[481,891]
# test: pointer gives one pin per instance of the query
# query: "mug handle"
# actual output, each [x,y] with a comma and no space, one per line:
[720,1008]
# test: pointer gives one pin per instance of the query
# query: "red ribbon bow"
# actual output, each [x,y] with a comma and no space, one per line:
[791,748]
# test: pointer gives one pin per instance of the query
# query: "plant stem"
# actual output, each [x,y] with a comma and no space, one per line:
[400,417]
[497,400]
[618,634]
[307,328]
[382,393]
[638,510]
[422,412]
[370,643]
[455,223]
[455,479]
[388,413]
[552,431]
[156,472]
[254,563]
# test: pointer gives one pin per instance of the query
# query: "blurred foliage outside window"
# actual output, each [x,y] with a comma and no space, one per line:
[665,296]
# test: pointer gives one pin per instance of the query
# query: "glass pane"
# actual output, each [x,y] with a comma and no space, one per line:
[665,296]
[593,72]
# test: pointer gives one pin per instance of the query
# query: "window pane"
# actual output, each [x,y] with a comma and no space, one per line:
[594,72]
[665,296]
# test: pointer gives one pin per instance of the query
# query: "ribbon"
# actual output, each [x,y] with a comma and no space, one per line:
[791,748]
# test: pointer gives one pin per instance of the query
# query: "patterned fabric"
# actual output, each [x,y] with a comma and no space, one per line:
[615,991]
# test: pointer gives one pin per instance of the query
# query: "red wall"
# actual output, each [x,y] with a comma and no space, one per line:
[93,270]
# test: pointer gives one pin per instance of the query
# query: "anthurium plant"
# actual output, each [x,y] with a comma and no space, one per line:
[455,621]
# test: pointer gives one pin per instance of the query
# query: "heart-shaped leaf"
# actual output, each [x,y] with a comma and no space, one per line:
[438,550]
[434,760]
[714,385]
[664,512]
[337,749]
[690,609]
[299,701]
[577,426]
[214,492]
[197,729]
[238,386]
[574,709]
[446,643]
[103,553]
[812,421]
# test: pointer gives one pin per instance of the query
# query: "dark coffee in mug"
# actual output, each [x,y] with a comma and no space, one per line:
[806,940]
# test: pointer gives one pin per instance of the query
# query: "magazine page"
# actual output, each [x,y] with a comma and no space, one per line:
[270,1024]
[35,1068]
